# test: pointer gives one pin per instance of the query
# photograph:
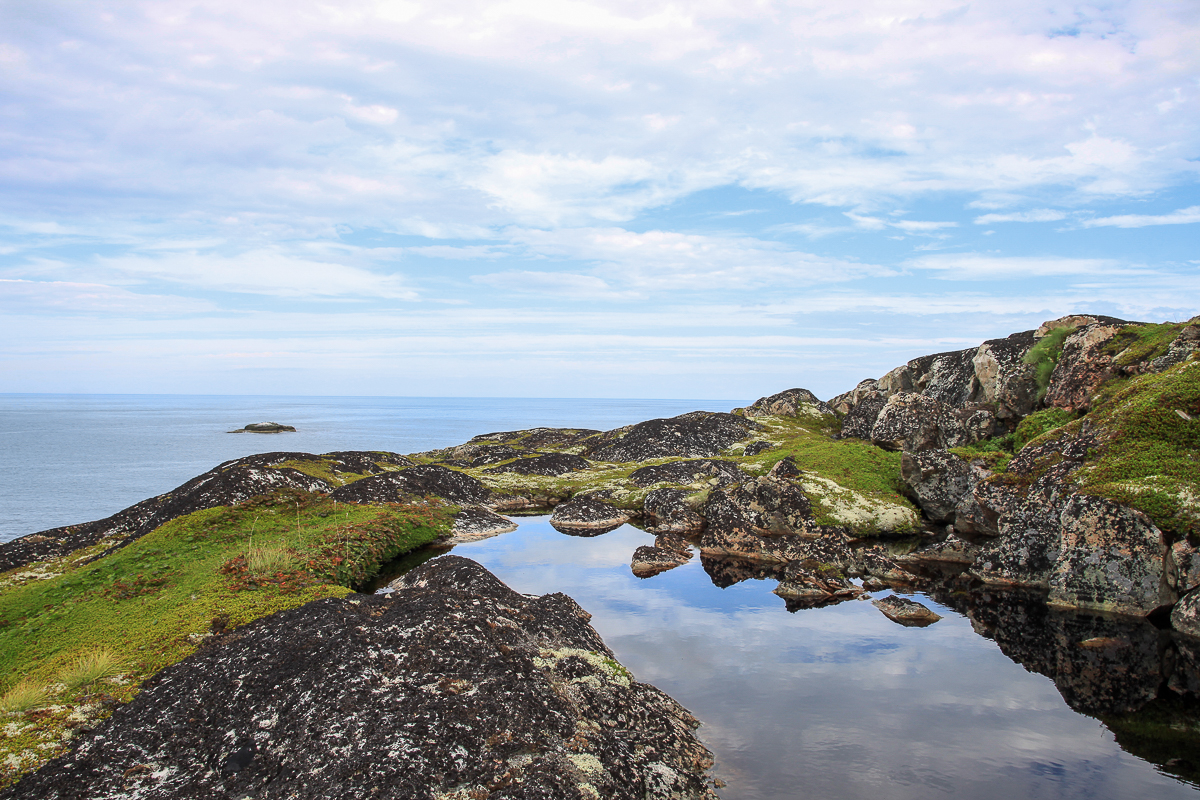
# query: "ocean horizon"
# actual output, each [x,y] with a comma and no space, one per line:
[80,457]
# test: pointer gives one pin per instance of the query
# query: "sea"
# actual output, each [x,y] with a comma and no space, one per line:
[1000,699]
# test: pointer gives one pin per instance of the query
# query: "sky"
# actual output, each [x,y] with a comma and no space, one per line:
[565,198]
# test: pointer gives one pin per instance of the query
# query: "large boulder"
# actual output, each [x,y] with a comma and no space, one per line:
[1003,377]
[937,480]
[862,415]
[474,523]
[1110,559]
[587,515]
[697,434]
[668,512]
[415,482]
[1083,365]
[451,686]
[789,403]
[914,422]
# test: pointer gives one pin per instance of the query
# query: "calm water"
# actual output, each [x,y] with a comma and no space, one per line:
[837,703]
[76,458]
[840,703]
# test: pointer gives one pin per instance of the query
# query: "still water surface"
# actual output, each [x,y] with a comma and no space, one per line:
[837,703]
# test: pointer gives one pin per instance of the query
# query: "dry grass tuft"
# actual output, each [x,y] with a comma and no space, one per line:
[24,696]
[91,667]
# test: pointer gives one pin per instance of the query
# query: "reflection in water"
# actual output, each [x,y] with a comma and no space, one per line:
[840,702]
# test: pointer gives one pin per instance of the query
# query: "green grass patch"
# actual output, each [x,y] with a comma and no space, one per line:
[1038,423]
[1151,457]
[156,600]
[1137,343]
[1044,356]
[996,451]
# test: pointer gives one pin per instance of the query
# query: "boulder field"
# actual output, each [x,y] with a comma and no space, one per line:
[1059,467]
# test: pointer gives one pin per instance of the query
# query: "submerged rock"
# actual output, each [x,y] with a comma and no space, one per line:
[649,561]
[587,514]
[905,611]
[451,686]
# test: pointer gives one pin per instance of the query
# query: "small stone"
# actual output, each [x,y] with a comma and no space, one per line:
[905,611]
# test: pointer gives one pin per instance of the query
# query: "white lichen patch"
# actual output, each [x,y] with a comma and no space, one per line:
[607,667]
[857,511]
[586,763]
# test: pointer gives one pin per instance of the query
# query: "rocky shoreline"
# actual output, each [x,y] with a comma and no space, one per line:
[1059,465]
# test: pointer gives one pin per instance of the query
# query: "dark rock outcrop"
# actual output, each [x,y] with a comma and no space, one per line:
[452,685]
[905,611]
[649,561]
[914,422]
[1082,367]
[937,481]
[787,403]
[536,438]
[668,512]
[689,472]
[588,515]
[265,427]
[550,464]
[414,482]
[698,434]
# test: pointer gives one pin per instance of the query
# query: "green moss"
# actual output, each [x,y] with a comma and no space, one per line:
[996,452]
[154,601]
[1137,343]
[1150,458]
[1038,423]
[1044,356]
[326,469]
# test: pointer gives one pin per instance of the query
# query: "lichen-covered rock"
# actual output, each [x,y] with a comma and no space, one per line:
[1185,616]
[805,588]
[697,434]
[482,454]
[1003,377]
[1182,566]
[766,505]
[914,422]
[1029,542]
[649,561]
[754,448]
[1186,343]
[550,464]
[668,512]
[789,403]
[861,418]
[420,481]
[951,550]
[451,686]
[1110,559]
[1082,367]
[938,480]
[587,514]
[708,471]
[905,611]
[535,438]
[476,522]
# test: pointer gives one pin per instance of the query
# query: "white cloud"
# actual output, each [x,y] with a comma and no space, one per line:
[973,267]
[558,284]
[1036,215]
[19,296]
[1183,216]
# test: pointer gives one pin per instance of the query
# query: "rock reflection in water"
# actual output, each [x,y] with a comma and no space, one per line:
[1139,680]
[841,703]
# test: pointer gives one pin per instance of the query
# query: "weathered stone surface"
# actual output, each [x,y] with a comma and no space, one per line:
[587,514]
[1076,321]
[551,464]
[265,427]
[913,422]
[1110,559]
[535,438]
[1186,343]
[366,462]
[946,377]
[709,471]
[1003,378]
[420,481]
[1029,541]
[951,550]
[843,403]
[861,417]
[754,448]
[805,588]
[673,541]
[480,455]
[453,685]
[697,434]
[937,480]
[476,522]
[1185,616]
[905,611]
[767,506]
[649,561]
[1183,567]
[789,403]
[668,511]
[1082,367]
[725,571]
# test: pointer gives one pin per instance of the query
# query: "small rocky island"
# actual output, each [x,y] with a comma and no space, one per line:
[265,427]
[1058,467]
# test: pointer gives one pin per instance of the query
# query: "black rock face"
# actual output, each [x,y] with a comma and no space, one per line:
[551,464]
[451,682]
[686,472]
[698,434]
[419,481]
